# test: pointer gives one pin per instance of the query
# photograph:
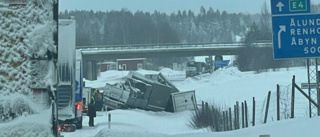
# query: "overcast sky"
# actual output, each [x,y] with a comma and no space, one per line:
[167,6]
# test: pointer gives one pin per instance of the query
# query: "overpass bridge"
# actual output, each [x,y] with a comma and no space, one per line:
[94,54]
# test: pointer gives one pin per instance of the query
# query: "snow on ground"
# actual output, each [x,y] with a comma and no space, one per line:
[28,126]
[225,86]
[139,123]
[229,85]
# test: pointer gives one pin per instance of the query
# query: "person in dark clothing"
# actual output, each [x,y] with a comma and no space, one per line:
[91,113]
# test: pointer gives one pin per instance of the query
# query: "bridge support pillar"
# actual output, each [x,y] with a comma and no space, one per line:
[90,70]
[210,62]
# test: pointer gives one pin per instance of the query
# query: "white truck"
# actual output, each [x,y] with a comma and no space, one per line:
[69,68]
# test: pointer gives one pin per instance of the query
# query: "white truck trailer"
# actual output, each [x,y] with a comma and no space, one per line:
[69,89]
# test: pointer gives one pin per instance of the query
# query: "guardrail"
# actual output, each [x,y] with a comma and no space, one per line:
[170,46]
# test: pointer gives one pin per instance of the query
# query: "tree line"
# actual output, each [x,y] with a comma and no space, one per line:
[209,25]
[125,27]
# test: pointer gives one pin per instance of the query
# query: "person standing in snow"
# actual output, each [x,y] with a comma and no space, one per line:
[91,113]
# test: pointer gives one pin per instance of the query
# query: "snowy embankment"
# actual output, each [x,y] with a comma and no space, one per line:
[225,87]
[140,123]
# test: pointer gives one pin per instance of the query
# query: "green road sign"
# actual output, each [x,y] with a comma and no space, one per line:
[298,5]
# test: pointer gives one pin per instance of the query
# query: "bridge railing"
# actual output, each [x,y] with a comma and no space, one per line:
[169,45]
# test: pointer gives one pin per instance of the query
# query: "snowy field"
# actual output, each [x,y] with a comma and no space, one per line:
[225,86]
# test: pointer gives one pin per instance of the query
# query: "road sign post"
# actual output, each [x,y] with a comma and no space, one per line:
[296,34]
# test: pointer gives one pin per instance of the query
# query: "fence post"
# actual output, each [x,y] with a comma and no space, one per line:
[292,97]
[238,119]
[253,111]
[278,102]
[227,120]
[267,107]
[235,116]
[224,119]
[202,106]
[242,114]
[246,112]
[109,120]
[230,118]
[207,113]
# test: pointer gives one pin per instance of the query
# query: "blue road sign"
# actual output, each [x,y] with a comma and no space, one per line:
[296,36]
[221,63]
[279,7]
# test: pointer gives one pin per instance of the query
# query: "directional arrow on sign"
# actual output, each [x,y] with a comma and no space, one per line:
[280,5]
[282,29]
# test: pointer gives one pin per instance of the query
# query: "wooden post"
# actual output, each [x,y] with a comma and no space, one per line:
[202,115]
[109,120]
[230,118]
[242,114]
[246,112]
[224,123]
[267,107]
[253,111]
[235,116]
[227,120]
[238,120]
[202,109]
[278,102]
[207,114]
[292,97]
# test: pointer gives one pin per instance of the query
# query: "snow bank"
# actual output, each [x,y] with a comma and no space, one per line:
[28,126]
[173,75]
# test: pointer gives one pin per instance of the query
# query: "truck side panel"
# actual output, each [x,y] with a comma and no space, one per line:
[66,70]
[69,92]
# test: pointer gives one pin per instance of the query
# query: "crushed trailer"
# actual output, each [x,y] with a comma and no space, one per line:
[156,94]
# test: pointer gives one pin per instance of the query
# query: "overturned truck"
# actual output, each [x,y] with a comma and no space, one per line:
[148,92]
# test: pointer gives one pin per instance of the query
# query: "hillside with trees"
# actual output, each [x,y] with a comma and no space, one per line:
[210,25]
[125,27]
